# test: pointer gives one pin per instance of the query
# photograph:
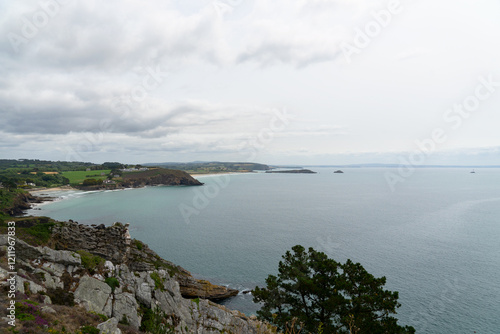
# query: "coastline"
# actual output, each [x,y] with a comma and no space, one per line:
[49,195]
[40,191]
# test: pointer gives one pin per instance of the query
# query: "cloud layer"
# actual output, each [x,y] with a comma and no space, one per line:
[199,79]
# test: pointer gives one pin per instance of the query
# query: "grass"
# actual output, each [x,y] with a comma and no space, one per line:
[158,281]
[91,262]
[36,231]
[79,176]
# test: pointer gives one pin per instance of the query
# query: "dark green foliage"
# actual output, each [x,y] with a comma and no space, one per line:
[92,182]
[124,320]
[158,281]
[41,232]
[155,322]
[138,244]
[61,297]
[112,282]
[313,291]
[89,330]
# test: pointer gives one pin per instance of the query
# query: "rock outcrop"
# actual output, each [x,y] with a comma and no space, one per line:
[20,203]
[125,295]
[114,244]
[159,176]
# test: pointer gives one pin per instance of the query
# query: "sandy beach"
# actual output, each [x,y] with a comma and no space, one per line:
[39,191]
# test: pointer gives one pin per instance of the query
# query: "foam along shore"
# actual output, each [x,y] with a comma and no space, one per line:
[42,191]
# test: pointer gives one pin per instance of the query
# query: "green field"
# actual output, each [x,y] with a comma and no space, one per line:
[79,176]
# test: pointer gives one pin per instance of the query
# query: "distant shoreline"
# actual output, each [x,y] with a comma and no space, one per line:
[43,194]
[38,191]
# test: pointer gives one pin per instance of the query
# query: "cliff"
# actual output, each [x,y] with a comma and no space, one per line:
[151,177]
[15,202]
[158,176]
[114,244]
[122,283]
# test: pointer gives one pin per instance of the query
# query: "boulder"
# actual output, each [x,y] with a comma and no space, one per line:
[125,307]
[109,327]
[63,257]
[94,295]
[48,309]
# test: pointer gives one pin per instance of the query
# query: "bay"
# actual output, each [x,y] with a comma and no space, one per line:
[435,237]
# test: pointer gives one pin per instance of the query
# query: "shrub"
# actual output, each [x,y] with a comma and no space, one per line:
[112,282]
[158,280]
[61,297]
[138,244]
[91,262]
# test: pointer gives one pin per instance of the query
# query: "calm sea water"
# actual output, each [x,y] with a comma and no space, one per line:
[435,238]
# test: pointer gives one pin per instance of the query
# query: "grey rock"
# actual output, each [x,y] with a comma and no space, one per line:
[54,269]
[125,306]
[109,327]
[4,274]
[50,282]
[32,286]
[48,309]
[63,257]
[143,293]
[47,300]
[94,295]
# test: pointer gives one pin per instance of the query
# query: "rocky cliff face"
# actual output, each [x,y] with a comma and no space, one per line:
[21,203]
[114,244]
[121,289]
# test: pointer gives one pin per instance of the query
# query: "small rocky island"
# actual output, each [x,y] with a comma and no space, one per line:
[338,172]
[292,171]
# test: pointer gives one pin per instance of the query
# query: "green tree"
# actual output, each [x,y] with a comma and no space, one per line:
[312,291]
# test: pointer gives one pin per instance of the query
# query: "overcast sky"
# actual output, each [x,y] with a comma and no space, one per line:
[278,82]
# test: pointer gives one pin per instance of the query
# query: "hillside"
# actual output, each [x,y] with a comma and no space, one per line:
[158,176]
[211,167]
[74,278]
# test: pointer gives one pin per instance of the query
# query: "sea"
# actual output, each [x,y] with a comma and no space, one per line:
[435,234]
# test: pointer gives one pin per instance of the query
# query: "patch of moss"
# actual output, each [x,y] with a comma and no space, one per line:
[138,244]
[158,281]
[89,330]
[91,262]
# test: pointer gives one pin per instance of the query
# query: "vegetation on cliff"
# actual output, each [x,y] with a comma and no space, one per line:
[14,201]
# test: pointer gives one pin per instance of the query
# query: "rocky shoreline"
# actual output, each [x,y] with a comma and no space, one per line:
[105,271]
